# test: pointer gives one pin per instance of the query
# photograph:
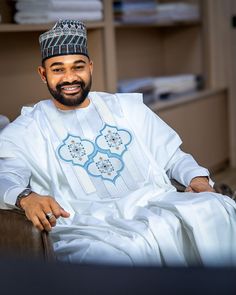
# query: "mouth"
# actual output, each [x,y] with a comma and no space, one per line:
[71,89]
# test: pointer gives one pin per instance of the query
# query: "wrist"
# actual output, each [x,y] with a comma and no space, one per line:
[24,194]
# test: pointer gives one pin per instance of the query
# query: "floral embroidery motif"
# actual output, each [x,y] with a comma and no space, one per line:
[105,166]
[75,150]
[114,140]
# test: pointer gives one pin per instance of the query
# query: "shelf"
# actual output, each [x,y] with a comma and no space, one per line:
[124,50]
[41,27]
[188,98]
[158,24]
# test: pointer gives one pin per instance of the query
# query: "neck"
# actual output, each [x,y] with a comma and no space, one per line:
[61,106]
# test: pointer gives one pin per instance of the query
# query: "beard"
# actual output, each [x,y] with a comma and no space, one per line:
[73,99]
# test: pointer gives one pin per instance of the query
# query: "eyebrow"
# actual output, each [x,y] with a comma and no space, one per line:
[61,63]
[79,61]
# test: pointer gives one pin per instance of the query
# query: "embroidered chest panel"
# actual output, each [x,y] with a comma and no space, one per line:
[102,157]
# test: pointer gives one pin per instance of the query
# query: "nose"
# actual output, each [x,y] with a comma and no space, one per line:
[70,76]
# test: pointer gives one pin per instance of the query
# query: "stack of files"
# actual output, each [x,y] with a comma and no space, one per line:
[174,86]
[135,11]
[157,88]
[171,12]
[46,11]
[141,85]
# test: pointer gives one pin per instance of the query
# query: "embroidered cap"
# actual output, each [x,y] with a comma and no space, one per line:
[66,37]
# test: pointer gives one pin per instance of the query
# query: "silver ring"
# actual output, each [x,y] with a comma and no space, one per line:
[49,215]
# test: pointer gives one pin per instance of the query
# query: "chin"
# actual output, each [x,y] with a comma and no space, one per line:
[72,102]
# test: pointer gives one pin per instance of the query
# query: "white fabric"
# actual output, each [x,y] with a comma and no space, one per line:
[55,5]
[177,12]
[135,222]
[26,17]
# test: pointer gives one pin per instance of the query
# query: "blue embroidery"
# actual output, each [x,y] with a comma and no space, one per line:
[100,159]
[113,139]
[76,150]
[105,166]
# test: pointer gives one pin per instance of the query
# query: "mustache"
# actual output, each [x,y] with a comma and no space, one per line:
[80,83]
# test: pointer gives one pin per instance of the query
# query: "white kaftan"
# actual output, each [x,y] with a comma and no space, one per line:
[109,165]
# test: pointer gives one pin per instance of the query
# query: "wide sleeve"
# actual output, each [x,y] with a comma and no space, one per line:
[183,168]
[14,175]
[161,140]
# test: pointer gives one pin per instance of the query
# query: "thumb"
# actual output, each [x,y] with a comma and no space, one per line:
[188,189]
[64,213]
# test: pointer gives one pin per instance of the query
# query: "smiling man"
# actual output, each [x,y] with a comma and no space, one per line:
[69,81]
[94,169]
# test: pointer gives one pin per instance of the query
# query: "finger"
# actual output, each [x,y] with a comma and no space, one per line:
[57,210]
[188,189]
[36,222]
[44,221]
[64,213]
[51,218]
[205,188]
[34,219]
[210,189]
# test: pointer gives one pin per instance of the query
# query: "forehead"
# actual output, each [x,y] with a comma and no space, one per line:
[66,59]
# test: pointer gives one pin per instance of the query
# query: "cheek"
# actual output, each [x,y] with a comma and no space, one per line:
[87,77]
[52,82]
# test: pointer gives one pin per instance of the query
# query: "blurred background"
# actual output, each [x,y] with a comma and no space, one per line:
[179,54]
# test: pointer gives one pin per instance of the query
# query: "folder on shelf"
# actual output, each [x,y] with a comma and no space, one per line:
[166,87]
[45,11]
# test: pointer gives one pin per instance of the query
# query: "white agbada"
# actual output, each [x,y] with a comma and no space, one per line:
[109,165]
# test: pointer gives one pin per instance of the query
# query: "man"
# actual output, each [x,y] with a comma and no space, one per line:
[93,168]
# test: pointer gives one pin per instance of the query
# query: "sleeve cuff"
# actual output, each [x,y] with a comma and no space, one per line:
[195,173]
[11,195]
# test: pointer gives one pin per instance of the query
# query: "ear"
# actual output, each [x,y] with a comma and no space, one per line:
[42,73]
[91,66]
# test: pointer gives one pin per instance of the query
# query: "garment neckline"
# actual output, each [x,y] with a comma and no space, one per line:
[84,109]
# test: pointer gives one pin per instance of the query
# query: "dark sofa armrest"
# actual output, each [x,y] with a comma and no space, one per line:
[19,238]
[180,187]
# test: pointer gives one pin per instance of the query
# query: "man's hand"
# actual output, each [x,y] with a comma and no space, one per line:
[199,184]
[36,207]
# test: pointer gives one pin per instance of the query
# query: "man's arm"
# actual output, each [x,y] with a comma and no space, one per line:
[163,143]
[183,168]
[15,178]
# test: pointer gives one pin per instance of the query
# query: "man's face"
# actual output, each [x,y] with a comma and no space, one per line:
[69,79]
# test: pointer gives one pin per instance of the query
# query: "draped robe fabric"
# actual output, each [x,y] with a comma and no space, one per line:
[109,165]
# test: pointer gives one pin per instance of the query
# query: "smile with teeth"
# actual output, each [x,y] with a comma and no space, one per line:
[70,89]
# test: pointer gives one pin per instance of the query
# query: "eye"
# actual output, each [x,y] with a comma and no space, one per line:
[57,70]
[79,67]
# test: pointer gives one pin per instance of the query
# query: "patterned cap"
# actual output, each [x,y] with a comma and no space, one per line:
[66,37]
